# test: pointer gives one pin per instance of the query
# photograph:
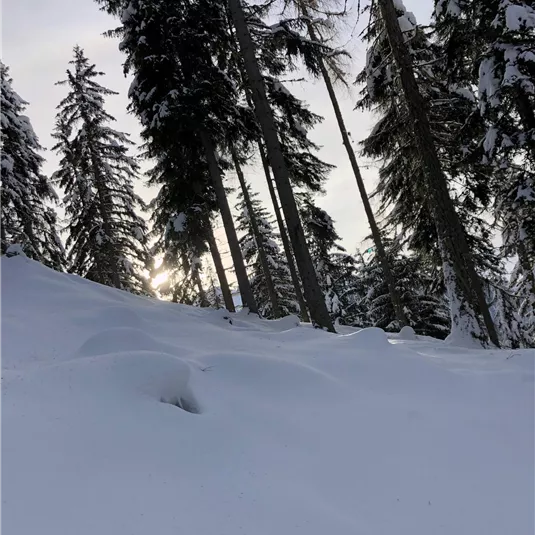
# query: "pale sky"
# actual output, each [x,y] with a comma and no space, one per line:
[37,41]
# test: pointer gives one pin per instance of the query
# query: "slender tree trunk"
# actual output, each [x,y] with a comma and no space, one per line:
[314,295]
[376,235]
[527,117]
[4,244]
[258,238]
[526,265]
[203,301]
[220,270]
[232,238]
[449,229]
[284,237]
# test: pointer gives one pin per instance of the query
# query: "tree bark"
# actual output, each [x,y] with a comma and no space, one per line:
[376,235]
[203,301]
[449,229]
[4,245]
[284,237]
[258,238]
[314,295]
[220,270]
[527,117]
[232,238]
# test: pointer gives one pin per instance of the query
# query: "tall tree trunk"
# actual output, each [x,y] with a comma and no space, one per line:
[284,237]
[203,301]
[220,270]
[232,238]
[527,117]
[314,295]
[454,248]
[376,235]
[258,237]
[526,265]
[3,245]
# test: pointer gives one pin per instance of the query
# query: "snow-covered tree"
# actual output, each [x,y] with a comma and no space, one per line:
[424,303]
[106,236]
[334,266]
[423,123]
[278,267]
[28,220]
[490,45]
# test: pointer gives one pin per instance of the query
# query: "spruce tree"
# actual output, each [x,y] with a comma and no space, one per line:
[455,126]
[264,115]
[335,268]
[278,267]
[311,15]
[106,237]
[470,314]
[424,304]
[490,45]
[181,96]
[28,220]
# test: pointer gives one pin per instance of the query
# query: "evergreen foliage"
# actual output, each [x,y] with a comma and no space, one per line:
[425,307]
[106,237]
[29,223]
[335,268]
[278,266]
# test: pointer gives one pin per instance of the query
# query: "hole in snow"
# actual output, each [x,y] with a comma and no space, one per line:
[183,403]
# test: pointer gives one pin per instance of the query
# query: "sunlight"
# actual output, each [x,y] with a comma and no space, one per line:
[159,279]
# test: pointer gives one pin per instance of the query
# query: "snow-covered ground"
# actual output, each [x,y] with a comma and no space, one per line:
[291,431]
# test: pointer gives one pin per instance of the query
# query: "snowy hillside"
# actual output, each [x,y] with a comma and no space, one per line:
[291,430]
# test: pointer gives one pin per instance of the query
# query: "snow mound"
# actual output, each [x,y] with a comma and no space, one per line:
[407,333]
[370,337]
[126,415]
[121,339]
[117,316]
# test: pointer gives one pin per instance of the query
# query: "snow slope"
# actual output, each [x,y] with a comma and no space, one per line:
[291,430]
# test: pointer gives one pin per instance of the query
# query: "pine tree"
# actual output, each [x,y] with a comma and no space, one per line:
[312,16]
[264,115]
[424,304]
[106,237]
[470,315]
[213,293]
[28,221]
[335,268]
[490,45]
[183,99]
[456,127]
[278,267]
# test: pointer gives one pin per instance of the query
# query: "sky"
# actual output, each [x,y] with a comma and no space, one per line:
[37,42]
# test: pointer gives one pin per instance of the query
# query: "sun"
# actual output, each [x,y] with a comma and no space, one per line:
[159,279]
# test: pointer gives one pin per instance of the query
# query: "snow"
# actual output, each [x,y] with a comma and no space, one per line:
[407,22]
[127,415]
[518,17]
[179,222]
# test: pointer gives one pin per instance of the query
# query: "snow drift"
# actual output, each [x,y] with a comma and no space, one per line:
[125,415]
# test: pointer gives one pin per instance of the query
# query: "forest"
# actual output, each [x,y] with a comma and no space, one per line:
[451,218]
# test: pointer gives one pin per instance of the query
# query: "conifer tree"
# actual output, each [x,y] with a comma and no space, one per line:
[490,45]
[424,304]
[28,222]
[335,268]
[213,293]
[456,127]
[181,96]
[106,237]
[264,115]
[470,314]
[278,267]
[311,15]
